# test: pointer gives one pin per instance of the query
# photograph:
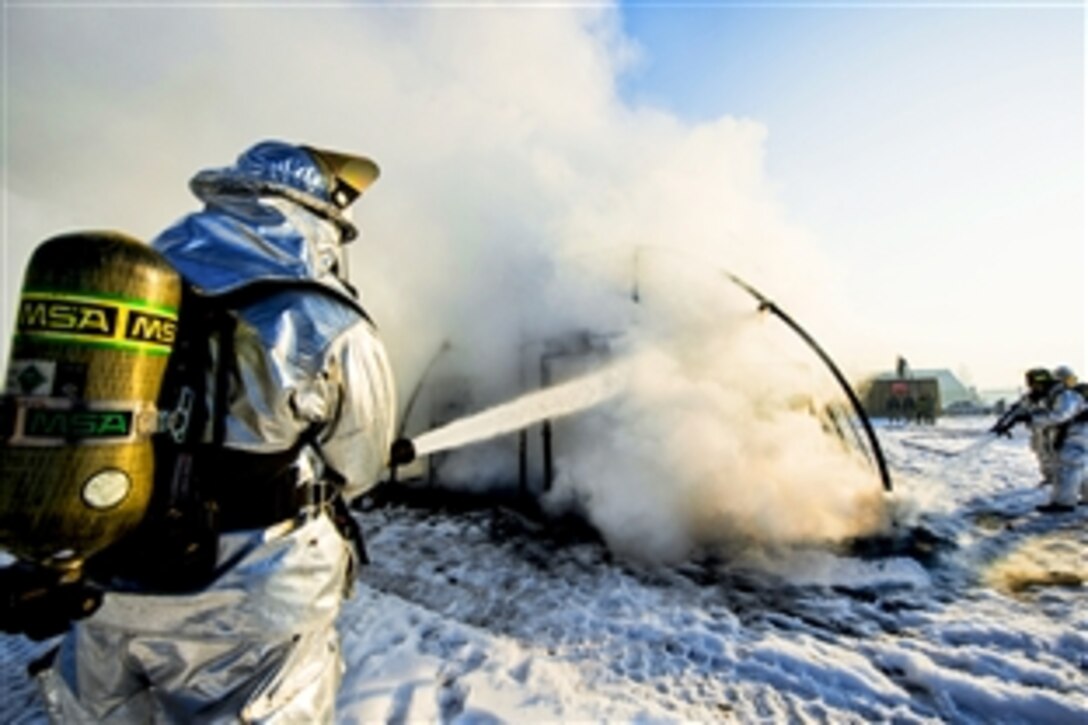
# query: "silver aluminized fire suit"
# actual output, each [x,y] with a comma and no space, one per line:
[259,643]
[1070,439]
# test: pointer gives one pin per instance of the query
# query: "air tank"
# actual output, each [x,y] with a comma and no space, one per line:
[96,323]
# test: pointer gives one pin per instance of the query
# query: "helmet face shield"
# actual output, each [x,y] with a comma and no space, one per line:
[347,175]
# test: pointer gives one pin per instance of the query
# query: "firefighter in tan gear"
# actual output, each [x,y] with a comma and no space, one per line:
[1028,410]
[298,399]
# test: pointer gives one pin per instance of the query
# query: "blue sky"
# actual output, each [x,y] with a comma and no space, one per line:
[937,152]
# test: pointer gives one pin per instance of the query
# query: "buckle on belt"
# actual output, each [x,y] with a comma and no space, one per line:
[314,499]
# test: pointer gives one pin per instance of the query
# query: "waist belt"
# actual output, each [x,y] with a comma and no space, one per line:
[239,508]
[256,490]
[267,503]
[175,549]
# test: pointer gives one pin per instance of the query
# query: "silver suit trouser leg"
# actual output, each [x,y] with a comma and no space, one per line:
[258,645]
[1072,481]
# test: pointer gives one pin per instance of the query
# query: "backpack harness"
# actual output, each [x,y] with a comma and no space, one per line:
[198,494]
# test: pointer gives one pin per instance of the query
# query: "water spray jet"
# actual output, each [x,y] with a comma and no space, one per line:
[554,402]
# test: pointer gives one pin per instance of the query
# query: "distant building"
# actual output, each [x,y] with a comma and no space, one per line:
[907,399]
[884,394]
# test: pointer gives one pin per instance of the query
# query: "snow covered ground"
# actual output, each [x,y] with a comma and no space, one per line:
[486,616]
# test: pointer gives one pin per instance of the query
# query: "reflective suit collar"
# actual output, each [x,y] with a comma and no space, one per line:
[239,240]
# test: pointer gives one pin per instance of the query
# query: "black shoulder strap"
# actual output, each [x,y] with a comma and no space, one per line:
[224,325]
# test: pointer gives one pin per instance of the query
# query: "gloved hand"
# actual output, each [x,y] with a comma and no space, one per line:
[42,603]
[1005,425]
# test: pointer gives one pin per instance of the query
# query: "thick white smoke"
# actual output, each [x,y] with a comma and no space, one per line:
[719,439]
[517,187]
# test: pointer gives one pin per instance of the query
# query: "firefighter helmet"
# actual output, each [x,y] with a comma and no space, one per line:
[1065,375]
[1038,378]
[325,182]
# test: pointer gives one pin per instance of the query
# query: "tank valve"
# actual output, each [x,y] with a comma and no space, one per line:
[403,451]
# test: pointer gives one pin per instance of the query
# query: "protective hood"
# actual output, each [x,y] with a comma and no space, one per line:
[279,169]
[268,218]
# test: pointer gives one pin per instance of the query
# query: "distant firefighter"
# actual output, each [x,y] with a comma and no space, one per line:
[1029,410]
[1065,422]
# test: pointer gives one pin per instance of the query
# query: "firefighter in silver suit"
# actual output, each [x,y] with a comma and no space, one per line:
[1065,420]
[307,379]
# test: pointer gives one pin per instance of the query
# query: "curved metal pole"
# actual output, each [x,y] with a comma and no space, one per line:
[410,403]
[768,305]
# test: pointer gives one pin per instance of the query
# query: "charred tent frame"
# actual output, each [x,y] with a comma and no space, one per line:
[557,359]
[441,397]
[871,444]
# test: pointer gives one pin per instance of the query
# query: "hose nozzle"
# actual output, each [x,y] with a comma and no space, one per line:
[402,451]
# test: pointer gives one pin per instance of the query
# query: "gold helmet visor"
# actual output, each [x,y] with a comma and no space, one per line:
[348,175]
